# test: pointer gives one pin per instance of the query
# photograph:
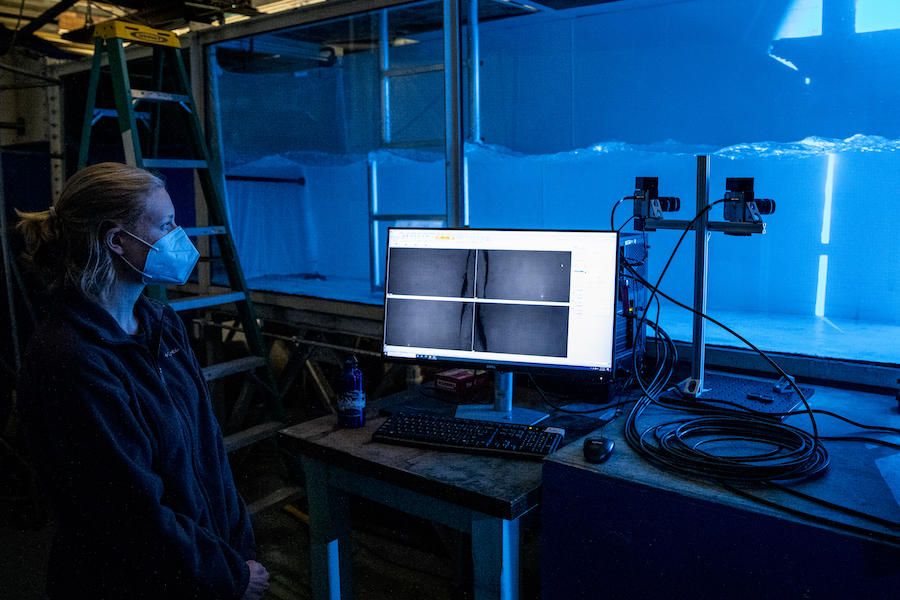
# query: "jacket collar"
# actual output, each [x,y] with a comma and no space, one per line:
[93,318]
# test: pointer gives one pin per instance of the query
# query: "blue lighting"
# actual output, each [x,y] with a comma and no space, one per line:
[802,19]
[877,15]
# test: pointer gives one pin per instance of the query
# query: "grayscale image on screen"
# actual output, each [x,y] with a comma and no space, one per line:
[521,329]
[432,272]
[540,276]
[429,324]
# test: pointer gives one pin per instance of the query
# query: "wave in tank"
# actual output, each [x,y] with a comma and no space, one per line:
[811,146]
[806,148]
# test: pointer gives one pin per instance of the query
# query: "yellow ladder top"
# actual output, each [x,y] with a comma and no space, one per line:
[139,34]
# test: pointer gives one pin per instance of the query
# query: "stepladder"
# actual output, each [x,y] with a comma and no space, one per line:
[147,110]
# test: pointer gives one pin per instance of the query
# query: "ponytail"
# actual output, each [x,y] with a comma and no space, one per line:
[64,244]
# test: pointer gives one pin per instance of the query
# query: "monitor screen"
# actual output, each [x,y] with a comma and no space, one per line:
[510,300]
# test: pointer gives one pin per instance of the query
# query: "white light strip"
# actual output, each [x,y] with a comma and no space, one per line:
[465,191]
[829,188]
[820,288]
[283,5]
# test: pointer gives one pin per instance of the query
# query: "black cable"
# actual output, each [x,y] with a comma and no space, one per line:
[854,423]
[629,220]
[836,507]
[545,397]
[655,288]
[765,356]
[867,533]
[789,452]
[15,35]
[663,372]
[859,438]
[694,406]
[785,452]
[612,214]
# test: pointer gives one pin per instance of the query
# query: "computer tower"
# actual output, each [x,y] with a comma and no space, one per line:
[631,334]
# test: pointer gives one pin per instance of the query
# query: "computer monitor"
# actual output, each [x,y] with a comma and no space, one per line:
[532,301]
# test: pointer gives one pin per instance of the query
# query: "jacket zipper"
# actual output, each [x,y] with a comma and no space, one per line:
[191,443]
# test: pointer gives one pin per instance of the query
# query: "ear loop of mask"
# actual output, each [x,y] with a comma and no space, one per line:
[143,274]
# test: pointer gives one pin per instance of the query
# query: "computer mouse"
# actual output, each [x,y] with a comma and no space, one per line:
[598,449]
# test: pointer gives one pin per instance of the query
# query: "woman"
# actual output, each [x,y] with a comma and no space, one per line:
[117,413]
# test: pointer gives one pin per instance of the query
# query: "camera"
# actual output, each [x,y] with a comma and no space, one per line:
[740,204]
[647,202]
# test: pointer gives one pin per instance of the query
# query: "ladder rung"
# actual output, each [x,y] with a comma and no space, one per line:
[252,435]
[111,37]
[238,365]
[205,301]
[175,163]
[153,96]
[111,112]
[212,230]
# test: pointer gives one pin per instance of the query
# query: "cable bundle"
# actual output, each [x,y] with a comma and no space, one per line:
[698,445]
[728,445]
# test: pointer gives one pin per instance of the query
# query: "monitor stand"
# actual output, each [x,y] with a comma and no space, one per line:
[503,410]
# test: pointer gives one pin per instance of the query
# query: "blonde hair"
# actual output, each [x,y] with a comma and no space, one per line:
[65,245]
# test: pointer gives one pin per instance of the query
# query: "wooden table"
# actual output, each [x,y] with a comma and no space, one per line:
[483,496]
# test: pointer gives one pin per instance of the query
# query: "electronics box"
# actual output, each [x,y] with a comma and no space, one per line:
[460,381]
[632,301]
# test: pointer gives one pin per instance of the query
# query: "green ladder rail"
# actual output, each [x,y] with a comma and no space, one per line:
[168,70]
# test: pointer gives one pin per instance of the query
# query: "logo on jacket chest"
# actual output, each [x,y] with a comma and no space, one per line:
[172,352]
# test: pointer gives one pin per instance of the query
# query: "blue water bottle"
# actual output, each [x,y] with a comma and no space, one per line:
[351,397]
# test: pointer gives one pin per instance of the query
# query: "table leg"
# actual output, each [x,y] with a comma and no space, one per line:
[495,558]
[329,535]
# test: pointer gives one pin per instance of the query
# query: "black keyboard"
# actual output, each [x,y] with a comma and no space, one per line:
[429,430]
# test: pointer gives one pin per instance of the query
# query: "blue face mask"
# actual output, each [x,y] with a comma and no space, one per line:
[170,260]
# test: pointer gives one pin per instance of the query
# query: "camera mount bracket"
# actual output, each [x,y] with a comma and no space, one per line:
[747,220]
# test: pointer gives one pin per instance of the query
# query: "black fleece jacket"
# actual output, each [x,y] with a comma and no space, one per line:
[130,455]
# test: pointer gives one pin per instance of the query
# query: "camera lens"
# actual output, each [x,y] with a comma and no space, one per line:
[765,206]
[669,204]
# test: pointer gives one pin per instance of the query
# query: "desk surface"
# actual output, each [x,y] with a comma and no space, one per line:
[861,476]
[497,487]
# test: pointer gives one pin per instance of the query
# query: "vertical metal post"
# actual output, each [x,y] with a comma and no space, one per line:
[206,99]
[56,137]
[453,111]
[384,65]
[698,357]
[374,242]
[8,270]
[474,74]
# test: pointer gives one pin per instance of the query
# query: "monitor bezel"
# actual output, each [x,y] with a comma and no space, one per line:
[576,373]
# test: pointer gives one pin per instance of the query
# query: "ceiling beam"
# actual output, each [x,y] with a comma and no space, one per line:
[48,17]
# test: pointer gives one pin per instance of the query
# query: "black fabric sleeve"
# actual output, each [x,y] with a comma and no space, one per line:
[93,445]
